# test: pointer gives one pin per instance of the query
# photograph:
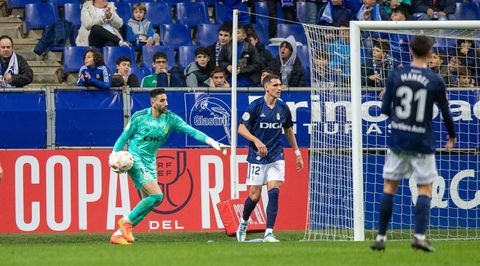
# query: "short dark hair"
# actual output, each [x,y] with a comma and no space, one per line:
[402,10]
[123,59]
[383,44]
[158,55]
[218,70]
[251,33]
[97,56]
[139,6]
[201,50]
[463,71]
[269,70]
[460,41]
[155,92]
[6,37]
[421,45]
[243,28]
[269,79]
[226,27]
[286,44]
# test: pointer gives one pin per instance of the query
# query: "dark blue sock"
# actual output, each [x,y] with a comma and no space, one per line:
[248,207]
[272,207]
[386,209]
[422,214]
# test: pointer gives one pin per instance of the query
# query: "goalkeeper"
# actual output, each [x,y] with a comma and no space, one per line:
[146,132]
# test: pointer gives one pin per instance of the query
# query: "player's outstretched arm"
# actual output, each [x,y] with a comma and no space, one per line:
[244,132]
[293,143]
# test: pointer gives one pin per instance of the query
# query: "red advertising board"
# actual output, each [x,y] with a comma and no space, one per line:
[46,191]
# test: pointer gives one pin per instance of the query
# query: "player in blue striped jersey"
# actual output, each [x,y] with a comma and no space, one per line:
[262,125]
[410,94]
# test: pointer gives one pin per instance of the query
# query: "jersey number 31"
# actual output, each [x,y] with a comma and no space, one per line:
[407,99]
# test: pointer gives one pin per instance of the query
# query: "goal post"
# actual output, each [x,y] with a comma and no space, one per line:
[346,162]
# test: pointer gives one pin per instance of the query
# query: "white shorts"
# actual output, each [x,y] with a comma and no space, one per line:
[422,167]
[260,174]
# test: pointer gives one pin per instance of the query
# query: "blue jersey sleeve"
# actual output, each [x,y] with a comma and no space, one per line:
[288,118]
[441,99]
[104,81]
[248,115]
[388,96]
[81,72]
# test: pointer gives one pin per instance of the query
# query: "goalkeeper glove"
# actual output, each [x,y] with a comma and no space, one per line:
[217,146]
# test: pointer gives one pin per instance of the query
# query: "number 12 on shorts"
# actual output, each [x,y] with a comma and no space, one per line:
[254,171]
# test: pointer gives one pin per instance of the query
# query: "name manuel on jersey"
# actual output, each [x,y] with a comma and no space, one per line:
[409,128]
[414,77]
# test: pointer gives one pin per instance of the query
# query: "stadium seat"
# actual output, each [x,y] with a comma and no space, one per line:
[39,16]
[62,2]
[20,3]
[467,11]
[186,55]
[149,51]
[112,53]
[261,8]
[192,14]
[72,13]
[302,12]
[353,5]
[273,49]
[73,58]
[262,33]
[141,72]
[208,2]
[175,35]
[174,2]
[132,2]
[302,53]
[284,30]
[124,10]
[153,11]
[207,34]
[220,13]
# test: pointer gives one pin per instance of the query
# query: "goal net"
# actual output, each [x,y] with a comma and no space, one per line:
[348,136]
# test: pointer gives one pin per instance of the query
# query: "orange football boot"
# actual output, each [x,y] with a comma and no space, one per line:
[119,239]
[126,230]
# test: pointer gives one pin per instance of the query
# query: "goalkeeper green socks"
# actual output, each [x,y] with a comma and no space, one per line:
[144,207]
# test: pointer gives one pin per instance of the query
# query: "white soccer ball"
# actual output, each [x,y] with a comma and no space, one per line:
[121,161]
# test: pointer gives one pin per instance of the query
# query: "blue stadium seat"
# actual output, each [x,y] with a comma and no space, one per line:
[186,55]
[175,35]
[63,2]
[262,33]
[112,53]
[207,34]
[273,49]
[39,16]
[192,14]
[149,51]
[467,11]
[261,8]
[132,2]
[72,13]
[302,53]
[302,12]
[208,2]
[73,58]
[124,10]
[220,13]
[174,2]
[20,3]
[353,5]
[153,11]
[284,30]
[141,72]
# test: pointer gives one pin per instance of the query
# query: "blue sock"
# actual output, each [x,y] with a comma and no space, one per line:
[386,209]
[272,207]
[248,207]
[422,214]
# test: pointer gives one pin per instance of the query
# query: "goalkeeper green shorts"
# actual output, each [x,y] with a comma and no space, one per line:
[141,175]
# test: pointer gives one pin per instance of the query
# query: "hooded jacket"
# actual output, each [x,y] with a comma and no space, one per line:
[136,28]
[291,72]
[196,76]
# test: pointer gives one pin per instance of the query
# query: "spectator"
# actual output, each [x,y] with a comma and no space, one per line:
[224,38]
[334,14]
[139,29]
[467,52]
[454,64]
[390,5]
[379,65]
[437,63]
[288,64]
[218,78]
[399,42]
[14,69]
[434,9]
[100,25]
[94,73]
[197,73]
[288,10]
[161,77]
[371,10]
[243,15]
[123,76]
[263,53]
[339,50]
[464,78]
[324,76]
[313,7]
[249,64]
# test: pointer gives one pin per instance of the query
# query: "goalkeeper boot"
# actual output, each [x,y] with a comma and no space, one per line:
[126,230]
[378,245]
[119,239]
[422,244]
[270,238]
[242,231]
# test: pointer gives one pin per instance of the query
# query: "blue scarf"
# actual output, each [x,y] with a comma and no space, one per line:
[286,3]
[375,13]
[327,14]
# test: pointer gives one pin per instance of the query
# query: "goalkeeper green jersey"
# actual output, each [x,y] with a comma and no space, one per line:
[147,134]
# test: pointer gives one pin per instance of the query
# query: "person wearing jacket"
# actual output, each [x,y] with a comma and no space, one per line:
[139,29]
[249,65]
[263,53]
[288,65]
[434,9]
[94,73]
[162,77]
[100,25]
[14,69]
[198,73]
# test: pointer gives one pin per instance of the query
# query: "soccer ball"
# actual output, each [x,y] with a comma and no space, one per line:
[121,161]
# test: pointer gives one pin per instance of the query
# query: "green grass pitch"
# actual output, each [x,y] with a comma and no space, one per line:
[218,249]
